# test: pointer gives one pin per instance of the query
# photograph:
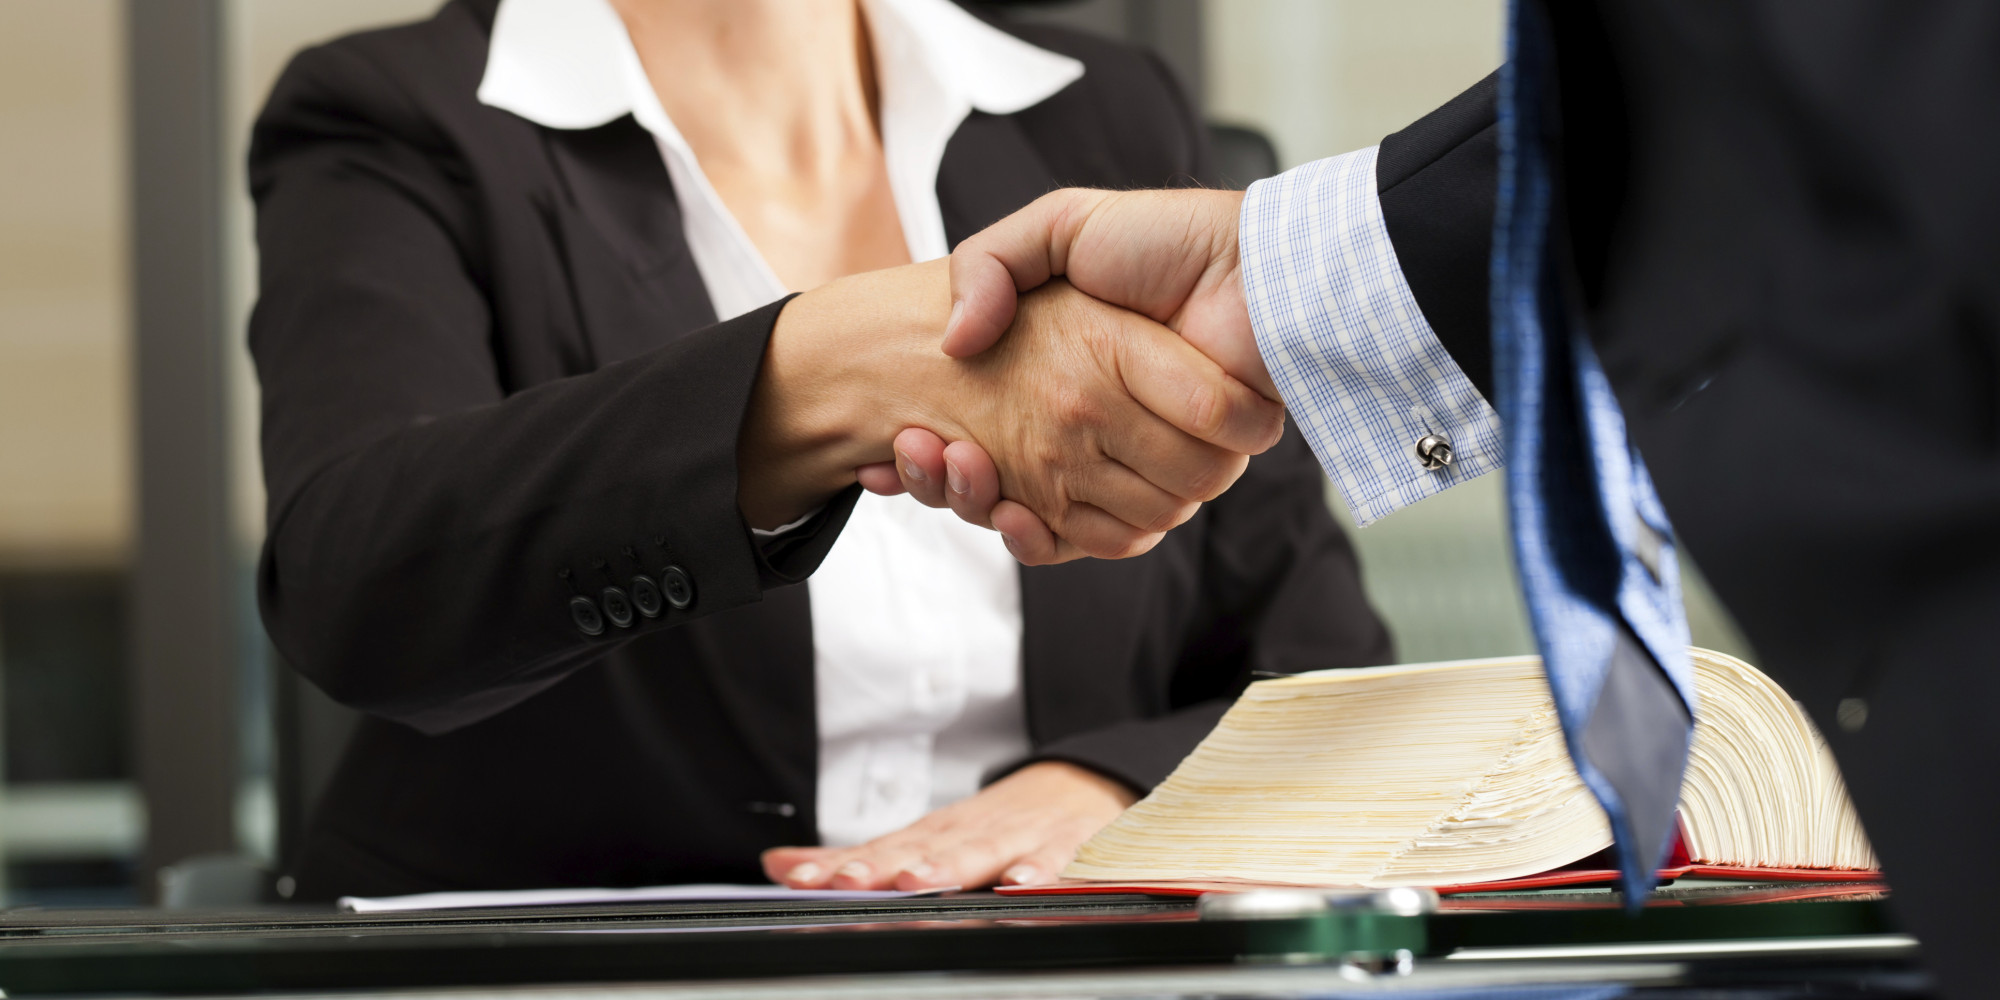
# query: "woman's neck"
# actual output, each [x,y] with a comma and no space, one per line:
[766,87]
[776,98]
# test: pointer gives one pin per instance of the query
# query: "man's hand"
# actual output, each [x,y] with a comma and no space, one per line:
[1020,830]
[1106,425]
[1169,255]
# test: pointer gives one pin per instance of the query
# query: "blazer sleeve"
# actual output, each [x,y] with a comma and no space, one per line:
[431,535]
[1280,593]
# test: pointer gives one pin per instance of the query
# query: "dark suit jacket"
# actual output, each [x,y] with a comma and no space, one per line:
[1782,227]
[493,382]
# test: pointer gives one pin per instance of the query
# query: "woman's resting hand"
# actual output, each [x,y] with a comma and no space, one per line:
[1020,830]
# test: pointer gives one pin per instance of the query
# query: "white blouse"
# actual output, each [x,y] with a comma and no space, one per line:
[916,615]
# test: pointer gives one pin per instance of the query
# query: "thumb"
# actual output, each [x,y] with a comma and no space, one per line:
[983,295]
[1017,254]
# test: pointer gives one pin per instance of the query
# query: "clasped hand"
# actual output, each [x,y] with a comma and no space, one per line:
[1170,256]
[1103,425]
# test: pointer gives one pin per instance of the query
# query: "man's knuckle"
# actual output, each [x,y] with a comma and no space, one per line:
[1170,517]
[1074,406]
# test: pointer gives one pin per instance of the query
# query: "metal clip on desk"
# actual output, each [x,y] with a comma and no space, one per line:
[1372,932]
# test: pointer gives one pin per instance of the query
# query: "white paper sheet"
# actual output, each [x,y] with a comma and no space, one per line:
[645,894]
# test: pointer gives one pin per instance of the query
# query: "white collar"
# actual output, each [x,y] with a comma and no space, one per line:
[570,64]
[562,63]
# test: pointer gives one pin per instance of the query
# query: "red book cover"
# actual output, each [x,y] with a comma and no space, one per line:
[1593,870]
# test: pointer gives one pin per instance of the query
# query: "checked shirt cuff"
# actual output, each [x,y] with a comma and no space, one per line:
[1358,365]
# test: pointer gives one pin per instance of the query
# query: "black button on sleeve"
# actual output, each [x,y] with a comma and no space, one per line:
[617,607]
[679,587]
[583,611]
[646,596]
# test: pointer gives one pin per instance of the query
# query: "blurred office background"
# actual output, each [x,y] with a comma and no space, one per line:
[137,714]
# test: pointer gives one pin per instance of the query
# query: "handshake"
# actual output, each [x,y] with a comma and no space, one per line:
[1098,379]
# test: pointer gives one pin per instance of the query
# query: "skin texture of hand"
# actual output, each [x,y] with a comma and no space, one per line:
[1170,255]
[1020,830]
[1107,425]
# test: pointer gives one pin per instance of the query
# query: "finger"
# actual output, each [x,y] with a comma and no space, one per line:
[1082,529]
[983,294]
[973,482]
[991,268]
[920,465]
[1167,457]
[880,478]
[876,864]
[798,867]
[1189,391]
[1028,539]
[1031,543]
[1129,497]
[970,862]
[1040,866]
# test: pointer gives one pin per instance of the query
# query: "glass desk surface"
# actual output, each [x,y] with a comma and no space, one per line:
[1749,941]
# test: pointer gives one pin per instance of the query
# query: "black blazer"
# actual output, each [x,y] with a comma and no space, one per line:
[493,383]
[1782,225]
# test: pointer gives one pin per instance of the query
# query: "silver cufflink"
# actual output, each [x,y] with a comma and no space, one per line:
[1434,451]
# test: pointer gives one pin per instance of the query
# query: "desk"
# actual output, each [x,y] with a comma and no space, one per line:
[977,945]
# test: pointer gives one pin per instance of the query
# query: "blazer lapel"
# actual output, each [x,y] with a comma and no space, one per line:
[619,226]
[989,171]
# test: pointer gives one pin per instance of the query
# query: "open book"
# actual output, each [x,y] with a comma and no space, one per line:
[1455,775]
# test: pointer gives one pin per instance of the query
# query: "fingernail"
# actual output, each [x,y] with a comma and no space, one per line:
[910,468]
[959,484]
[921,870]
[1023,875]
[957,310]
[1013,547]
[803,873]
[857,870]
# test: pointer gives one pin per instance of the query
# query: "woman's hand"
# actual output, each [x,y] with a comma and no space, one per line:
[1020,830]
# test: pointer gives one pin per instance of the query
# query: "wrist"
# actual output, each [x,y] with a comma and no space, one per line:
[838,382]
[1076,775]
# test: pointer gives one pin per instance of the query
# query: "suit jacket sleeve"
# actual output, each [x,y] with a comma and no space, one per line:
[428,530]
[1436,181]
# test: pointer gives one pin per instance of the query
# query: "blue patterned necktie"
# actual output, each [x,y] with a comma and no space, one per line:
[1591,541]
